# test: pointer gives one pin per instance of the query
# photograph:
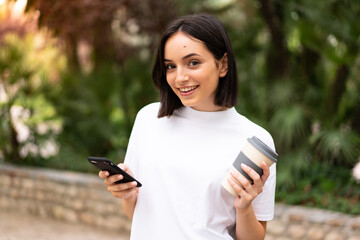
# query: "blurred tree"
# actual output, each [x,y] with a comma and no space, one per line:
[11,22]
[313,100]
[28,122]
[29,61]
[273,14]
[80,20]
[106,25]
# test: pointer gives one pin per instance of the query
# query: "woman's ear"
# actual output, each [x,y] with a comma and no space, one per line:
[223,66]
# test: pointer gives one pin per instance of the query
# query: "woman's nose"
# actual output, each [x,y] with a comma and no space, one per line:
[182,76]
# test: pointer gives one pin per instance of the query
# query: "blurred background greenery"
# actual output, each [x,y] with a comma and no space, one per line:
[73,75]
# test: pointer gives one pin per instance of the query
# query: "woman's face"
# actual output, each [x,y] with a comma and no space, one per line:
[192,71]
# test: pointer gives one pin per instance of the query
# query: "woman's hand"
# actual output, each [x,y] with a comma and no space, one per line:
[248,192]
[120,190]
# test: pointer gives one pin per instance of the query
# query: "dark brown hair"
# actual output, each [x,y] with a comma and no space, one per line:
[211,32]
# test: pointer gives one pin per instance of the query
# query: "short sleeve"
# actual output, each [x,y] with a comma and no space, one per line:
[264,203]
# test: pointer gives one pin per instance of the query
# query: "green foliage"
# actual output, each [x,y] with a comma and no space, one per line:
[323,185]
[337,146]
[292,120]
[292,167]
[98,110]
[29,123]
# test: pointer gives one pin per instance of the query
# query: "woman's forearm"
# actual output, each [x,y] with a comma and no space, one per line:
[248,227]
[129,206]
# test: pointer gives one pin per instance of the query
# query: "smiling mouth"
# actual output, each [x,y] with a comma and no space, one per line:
[188,89]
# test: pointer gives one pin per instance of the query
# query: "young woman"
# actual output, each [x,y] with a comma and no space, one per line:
[181,148]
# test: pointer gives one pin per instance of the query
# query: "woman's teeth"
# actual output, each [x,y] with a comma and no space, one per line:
[187,89]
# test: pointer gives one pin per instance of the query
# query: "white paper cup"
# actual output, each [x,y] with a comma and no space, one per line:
[253,154]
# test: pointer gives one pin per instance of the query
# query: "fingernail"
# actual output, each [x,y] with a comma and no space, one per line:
[106,174]
[134,183]
[120,177]
[244,166]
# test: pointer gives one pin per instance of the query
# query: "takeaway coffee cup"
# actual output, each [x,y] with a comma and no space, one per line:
[253,154]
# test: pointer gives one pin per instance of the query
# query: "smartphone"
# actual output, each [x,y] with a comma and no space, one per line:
[105,164]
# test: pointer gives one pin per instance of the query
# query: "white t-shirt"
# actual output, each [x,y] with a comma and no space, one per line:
[181,161]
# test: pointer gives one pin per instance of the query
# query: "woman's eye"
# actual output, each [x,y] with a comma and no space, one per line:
[169,66]
[193,63]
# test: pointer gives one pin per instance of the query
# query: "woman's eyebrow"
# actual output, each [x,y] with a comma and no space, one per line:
[183,58]
[190,55]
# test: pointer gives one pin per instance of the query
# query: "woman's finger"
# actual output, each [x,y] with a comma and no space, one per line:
[125,193]
[257,187]
[103,174]
[112,179]
[266,172]
[242,181]
[235,186]
[252,189]
[121,187]
[123,166]
[252,173]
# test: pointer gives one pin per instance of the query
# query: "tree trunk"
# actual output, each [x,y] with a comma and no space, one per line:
[11,153]
[277,59]
[71,53]
[336,91]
